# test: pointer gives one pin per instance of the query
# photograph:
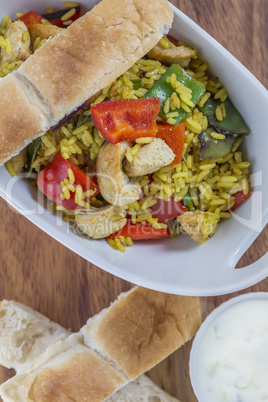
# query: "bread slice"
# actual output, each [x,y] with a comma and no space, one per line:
[73,66]
[23,115]
[142,328]
[69,370]
[94,50]
[13,390]
[141,390]
[24,335]
[16,316]
[145,324]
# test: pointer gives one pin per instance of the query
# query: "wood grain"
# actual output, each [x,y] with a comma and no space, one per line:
[38,271]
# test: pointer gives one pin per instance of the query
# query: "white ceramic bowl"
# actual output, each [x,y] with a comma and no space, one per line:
[234,347]
[176,265]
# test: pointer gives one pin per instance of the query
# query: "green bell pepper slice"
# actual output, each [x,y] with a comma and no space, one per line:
[233,123]
[163,89]
[212,148]
[187,200]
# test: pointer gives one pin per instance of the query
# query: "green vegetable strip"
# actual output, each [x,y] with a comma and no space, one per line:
[187,200]
[163,89]
[137,83]
[233,123]
[31,154]
[211,148]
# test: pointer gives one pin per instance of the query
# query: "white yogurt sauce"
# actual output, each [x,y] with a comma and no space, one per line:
[232,358]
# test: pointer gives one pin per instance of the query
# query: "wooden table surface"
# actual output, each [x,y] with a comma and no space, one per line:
[40,272]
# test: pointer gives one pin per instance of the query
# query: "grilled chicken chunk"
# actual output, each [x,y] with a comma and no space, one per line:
[20,47]
[173,55]
[149,159]
[198,225]
[99,223]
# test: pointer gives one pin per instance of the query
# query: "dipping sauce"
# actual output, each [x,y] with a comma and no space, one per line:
[232,356]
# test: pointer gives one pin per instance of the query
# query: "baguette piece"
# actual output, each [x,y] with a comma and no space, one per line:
[69,370]
[73,66]
[72,369]
[95,50]
[13,390]
[21,115]
[141,390]
[24,335]
[142,328]
[14,315]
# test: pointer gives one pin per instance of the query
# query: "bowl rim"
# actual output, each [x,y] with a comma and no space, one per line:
[203,330]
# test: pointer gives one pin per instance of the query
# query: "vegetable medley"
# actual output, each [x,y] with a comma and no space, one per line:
[156,153]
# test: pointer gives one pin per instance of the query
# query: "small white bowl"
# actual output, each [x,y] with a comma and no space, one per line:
[234,336]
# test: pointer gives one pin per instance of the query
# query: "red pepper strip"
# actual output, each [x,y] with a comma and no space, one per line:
[167,210]
[174,137]
[31,18]
[49,178]
[173,40]
[139,231]
[55,17]
[126,119]
[240,197]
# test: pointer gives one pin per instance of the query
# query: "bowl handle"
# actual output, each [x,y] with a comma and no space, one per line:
[244,275]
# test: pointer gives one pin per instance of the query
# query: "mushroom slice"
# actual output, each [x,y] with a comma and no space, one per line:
[100,222]
[149,159]
[173,55]
[199,225]
[20,49]
[114,184]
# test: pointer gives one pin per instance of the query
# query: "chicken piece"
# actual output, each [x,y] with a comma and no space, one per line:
[20,49]
[18,162]
[199,225]
[149,159]
[114,184]
[44,31]
[173,55]
[100,223]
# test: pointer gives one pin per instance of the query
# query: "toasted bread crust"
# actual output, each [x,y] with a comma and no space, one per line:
[142,328]
[95,50]
[82,376]
[18,117]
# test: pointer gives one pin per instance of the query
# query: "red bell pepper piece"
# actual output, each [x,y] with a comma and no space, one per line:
[139,231]
[49,178]
[55,17]
[31,18]
[126,119]
[173,40]
[167,210]
[174,137]
[240,197]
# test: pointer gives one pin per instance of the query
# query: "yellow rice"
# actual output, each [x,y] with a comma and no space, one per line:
[211,184]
